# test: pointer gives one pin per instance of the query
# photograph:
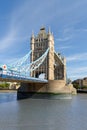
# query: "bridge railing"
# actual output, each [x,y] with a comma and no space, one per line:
[19,69]
[17,76]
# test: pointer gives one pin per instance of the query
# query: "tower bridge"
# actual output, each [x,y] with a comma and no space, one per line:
[43,60]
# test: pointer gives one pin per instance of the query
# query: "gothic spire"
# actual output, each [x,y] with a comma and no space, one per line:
[32,34]
[49,32]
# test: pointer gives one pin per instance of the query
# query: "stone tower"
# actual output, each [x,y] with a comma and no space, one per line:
[54,65]
[39,44]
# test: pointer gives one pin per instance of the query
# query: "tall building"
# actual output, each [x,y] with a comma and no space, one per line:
[54,66]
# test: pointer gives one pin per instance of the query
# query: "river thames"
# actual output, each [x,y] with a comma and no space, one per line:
[60,113]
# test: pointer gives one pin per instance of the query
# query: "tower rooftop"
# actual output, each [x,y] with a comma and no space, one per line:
[42,28]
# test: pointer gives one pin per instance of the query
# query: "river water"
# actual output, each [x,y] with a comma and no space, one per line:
[60,113]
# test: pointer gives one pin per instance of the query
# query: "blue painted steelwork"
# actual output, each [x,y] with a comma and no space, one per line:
[36,64]
[22,78]
[17,64]
[26,68]
[20,69]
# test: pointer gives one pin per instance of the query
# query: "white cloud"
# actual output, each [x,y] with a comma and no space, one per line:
[10,39]
[77,76]
[85,29]
[75,72]
[67,30]
[65,47]
[64,39]
[82,30]
[23,20]
[7,40]
[77,57]
[24,16]
[73,30]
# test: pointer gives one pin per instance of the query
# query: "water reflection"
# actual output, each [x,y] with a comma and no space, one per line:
[43,114]
[50,96]
[8,97]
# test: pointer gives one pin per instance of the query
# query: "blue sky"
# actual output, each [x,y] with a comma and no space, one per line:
[67,20]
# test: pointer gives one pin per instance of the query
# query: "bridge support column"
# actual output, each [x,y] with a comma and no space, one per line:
[27,90]
[50,57]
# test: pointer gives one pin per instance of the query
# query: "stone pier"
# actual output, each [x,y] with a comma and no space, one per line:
[52,87]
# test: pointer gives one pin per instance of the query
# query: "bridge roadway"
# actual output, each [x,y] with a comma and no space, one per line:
[13,78]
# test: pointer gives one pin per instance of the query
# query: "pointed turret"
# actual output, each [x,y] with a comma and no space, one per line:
[32,36]
[32,41]
[49,30]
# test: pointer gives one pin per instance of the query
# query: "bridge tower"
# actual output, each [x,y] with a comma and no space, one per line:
[54,67]
[39,44]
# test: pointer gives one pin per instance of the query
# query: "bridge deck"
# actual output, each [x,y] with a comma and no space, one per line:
[10,78]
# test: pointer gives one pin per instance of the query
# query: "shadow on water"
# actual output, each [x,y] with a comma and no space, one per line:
[8,97]
[12,96]
[44,96]
[52,96]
